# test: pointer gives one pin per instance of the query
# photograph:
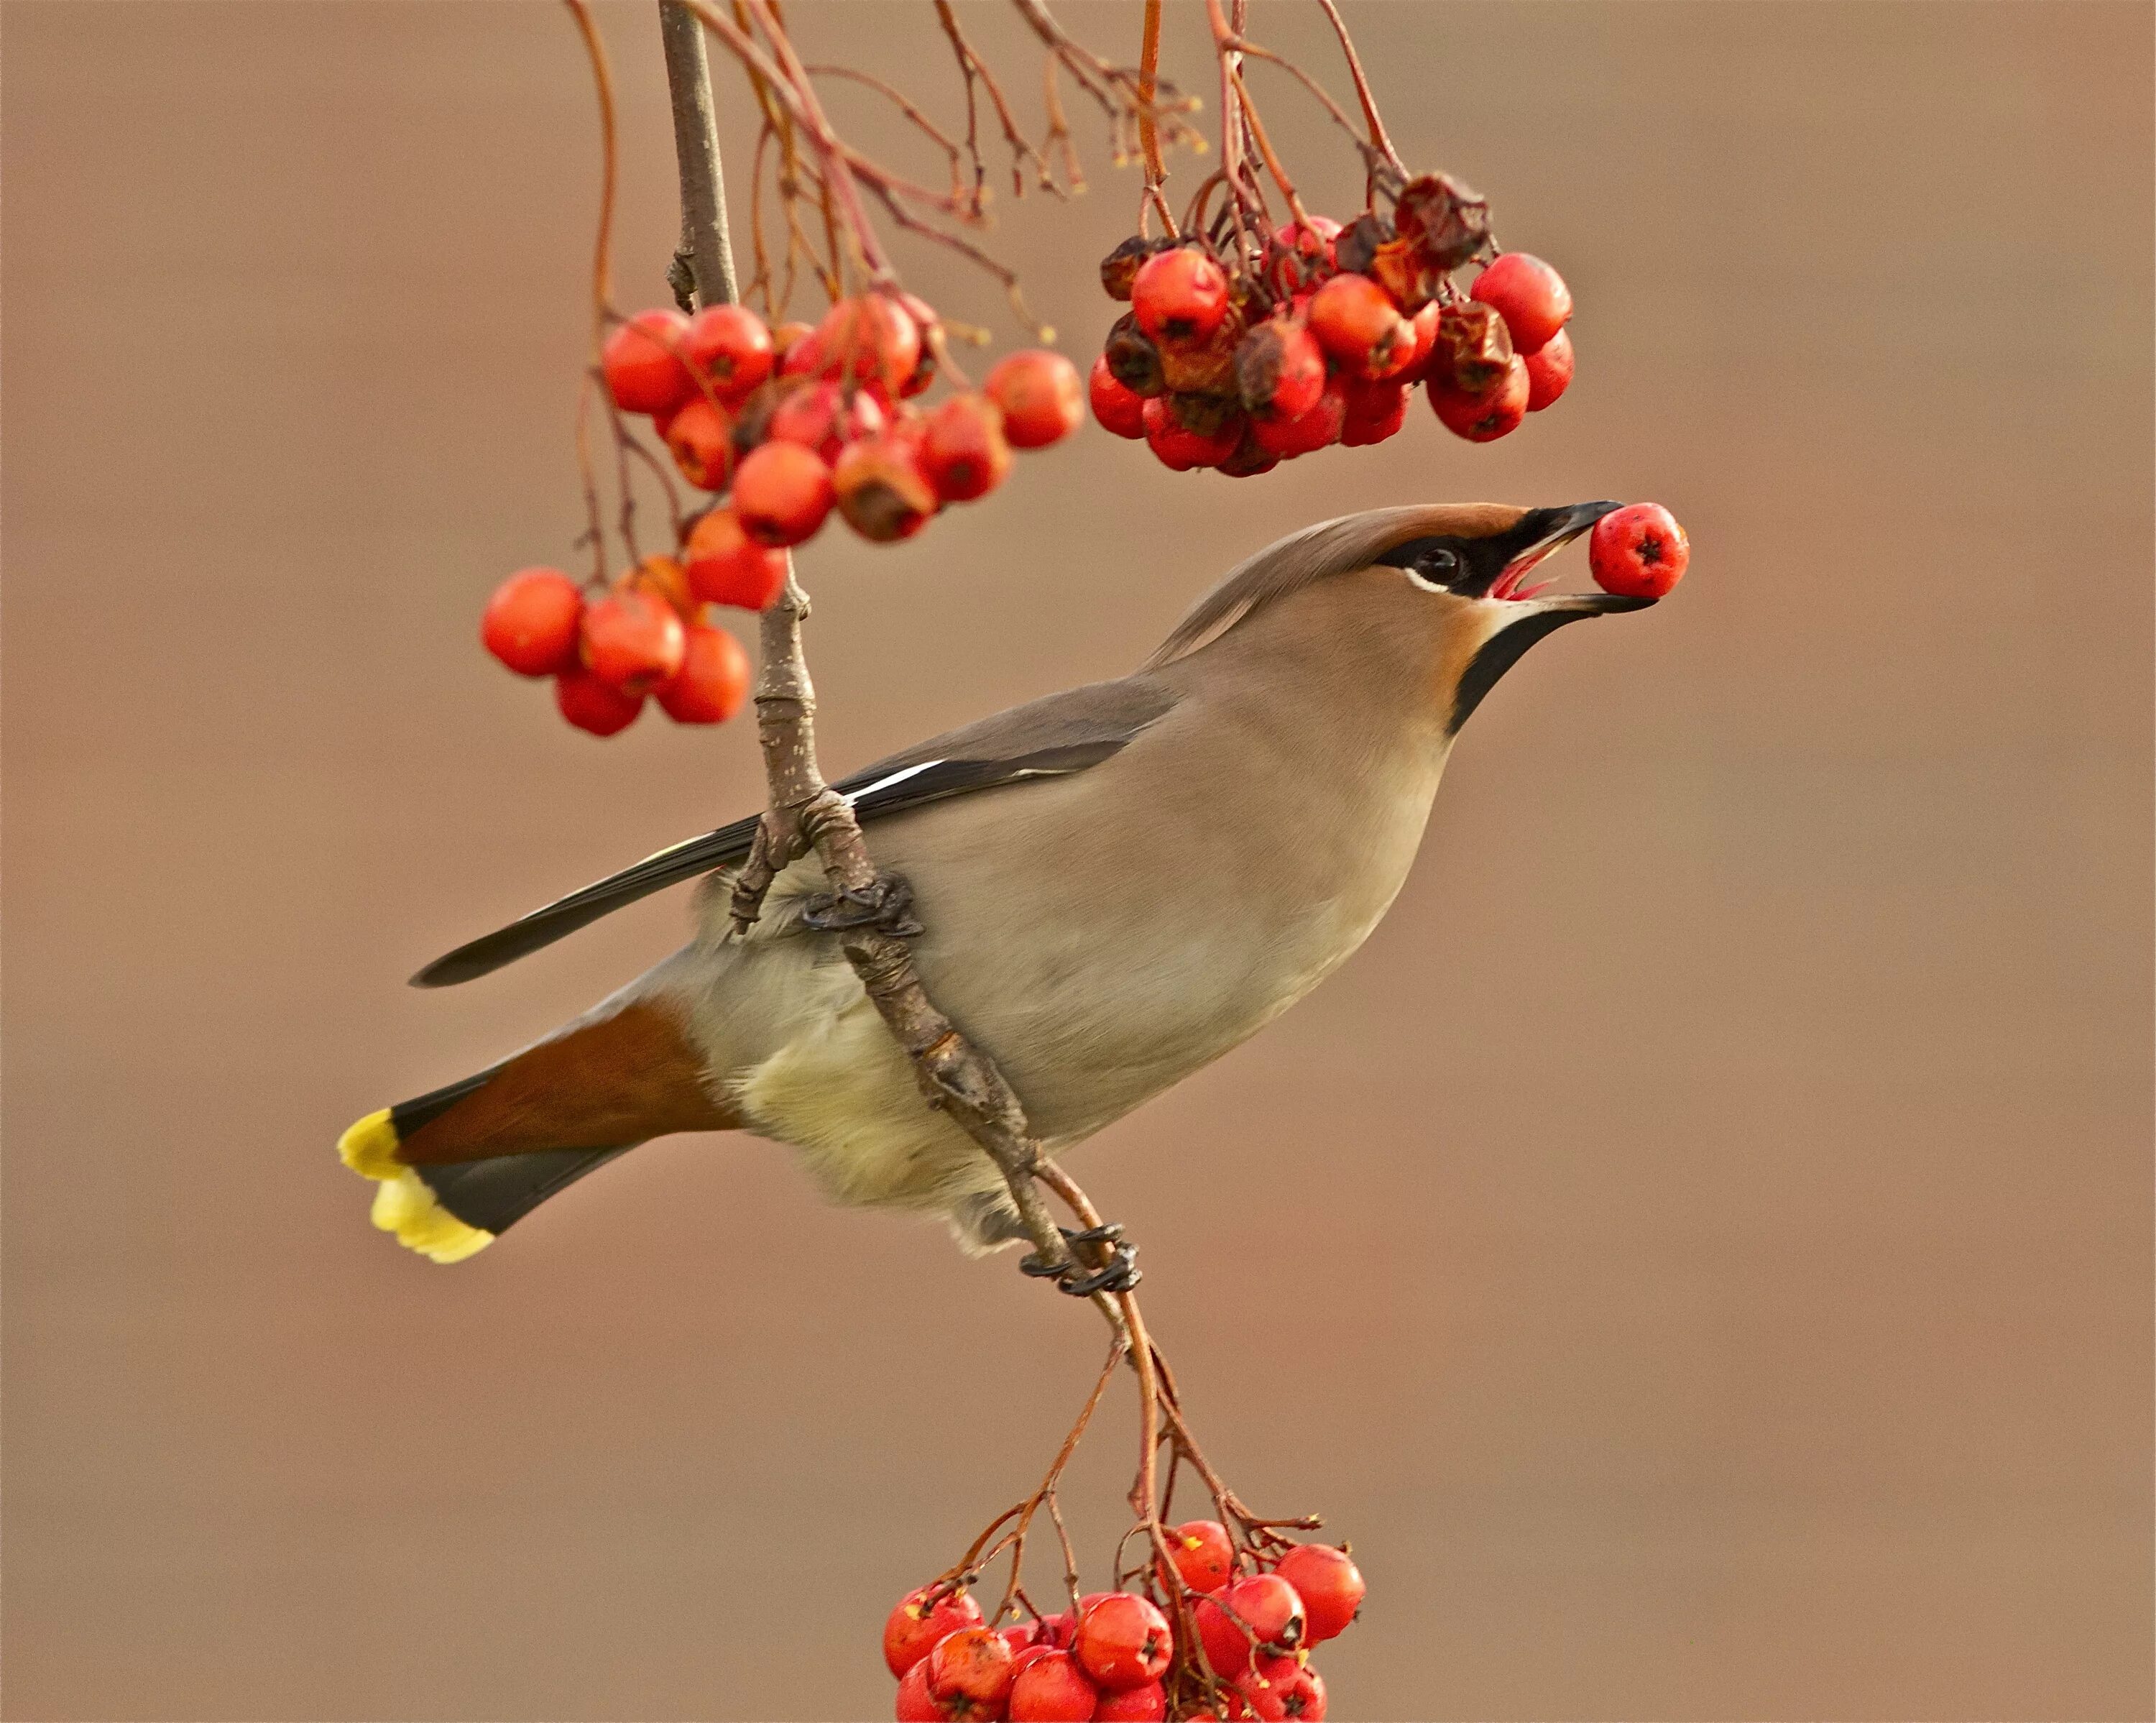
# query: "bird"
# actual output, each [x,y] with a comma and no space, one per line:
[1115,885]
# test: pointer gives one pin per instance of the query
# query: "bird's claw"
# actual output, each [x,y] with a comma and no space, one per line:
[1119,1274]
[887,905]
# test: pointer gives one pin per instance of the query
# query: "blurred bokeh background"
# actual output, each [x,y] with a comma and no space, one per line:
[1700,1250]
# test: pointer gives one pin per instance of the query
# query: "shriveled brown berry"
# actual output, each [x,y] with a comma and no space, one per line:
[1359,242]
[1472,351]
[1119,268]
[1280,369]
[1133,360]
[1446,221]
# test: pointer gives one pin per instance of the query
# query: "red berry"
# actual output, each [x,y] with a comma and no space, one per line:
[1425,325]
[881,490]
[1180,295]
[1528,294]
[668,581]
[792,348]
[642,363]
[781,493]
[1316,429]
[1375,412]
[712,682]
[531,622]
[870,339]
[1303,254]
[1329,1584]
[632,640]
[1119,409]
[1280,369]
[1180,448]
[726,567]
[926,320]
[1639,551]
[1549,371]
[825,417]
[1484,419]
[1124,1641]
[1039,394]
[1203,1556]
[964,451]
[729,344]
[593,705]
[1261,1614]
[1356,322]
[971,1663]
[1057,1630]
[913,1629]
[1296,1692]
[1147,1704]
[701,437]
[915,1703]
[1052,1689]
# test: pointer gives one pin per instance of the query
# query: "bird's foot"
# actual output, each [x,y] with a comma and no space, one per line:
[1118,1274]
[886,904]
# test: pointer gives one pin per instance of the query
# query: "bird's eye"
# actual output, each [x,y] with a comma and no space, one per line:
[1440,566]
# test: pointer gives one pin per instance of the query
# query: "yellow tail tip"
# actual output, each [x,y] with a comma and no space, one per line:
[369,1148]
[403,1204]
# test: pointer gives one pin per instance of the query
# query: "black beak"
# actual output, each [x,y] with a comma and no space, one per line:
[1514,553]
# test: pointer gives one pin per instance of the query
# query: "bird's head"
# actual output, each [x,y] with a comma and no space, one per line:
[1451,583]
[1479,561]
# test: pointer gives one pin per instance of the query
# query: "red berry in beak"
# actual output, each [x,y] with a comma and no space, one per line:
[641,360]
[593,705]
[1124,1641]
[1639,551]
[1042,400]
[1484,418]
[531,623]
[1328,1583]
[712,682]
[1528,293]
[632,640]
[781,493]
[963,450]
[1549,371]
[913,1629]
[1052,1689]
[726,567]
[729,344]
[1119,409]
[1179,296]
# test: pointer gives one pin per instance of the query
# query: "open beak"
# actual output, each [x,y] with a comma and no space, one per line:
[1541,532]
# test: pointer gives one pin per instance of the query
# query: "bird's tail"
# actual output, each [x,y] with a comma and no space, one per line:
[448,1210]
[458,1167]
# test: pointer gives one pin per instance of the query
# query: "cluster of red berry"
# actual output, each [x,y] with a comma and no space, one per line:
[647,634]
[797,420]
[1114,1659]
[1322,342]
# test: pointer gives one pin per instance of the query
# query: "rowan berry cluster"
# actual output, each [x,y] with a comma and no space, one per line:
[794,422]
[1322,341]
[1116,1658]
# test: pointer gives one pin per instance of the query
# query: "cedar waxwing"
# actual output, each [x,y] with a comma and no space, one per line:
[1175,858]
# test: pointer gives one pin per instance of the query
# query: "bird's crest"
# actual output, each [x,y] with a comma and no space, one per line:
[1333,546]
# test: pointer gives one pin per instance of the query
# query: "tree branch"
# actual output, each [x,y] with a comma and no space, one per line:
[803,813]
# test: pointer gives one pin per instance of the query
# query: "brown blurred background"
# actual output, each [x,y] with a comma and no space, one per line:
[1700,1252]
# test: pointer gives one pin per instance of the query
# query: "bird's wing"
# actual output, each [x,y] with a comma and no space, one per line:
[1050,738]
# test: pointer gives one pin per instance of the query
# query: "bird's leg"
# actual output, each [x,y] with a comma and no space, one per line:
[778,843]
[884,903]
[1118,1273]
